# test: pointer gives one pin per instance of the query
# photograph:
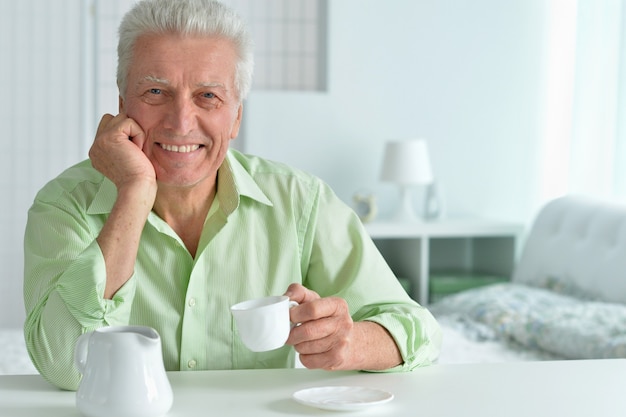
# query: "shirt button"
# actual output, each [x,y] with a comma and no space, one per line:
[192,302]
[192,363]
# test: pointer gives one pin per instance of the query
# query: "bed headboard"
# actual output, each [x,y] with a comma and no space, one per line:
[578,245]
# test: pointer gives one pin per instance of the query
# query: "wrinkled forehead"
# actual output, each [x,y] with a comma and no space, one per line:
[169,59]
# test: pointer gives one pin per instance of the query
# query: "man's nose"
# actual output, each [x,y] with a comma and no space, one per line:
[181,117]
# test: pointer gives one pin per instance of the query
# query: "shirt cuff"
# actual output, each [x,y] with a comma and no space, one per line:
[417,336]
[81,287]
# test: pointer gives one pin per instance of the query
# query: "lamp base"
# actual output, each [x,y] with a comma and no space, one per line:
[434,207]
[406,212]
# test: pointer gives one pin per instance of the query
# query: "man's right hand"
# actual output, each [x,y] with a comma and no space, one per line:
[117,151]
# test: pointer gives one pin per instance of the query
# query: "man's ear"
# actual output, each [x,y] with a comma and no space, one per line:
[120,104]
[237,124]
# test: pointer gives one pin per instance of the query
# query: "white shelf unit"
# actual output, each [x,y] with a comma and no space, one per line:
[417,250]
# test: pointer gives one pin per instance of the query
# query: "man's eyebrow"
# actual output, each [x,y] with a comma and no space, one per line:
[163,81]
[212,85]
[153,79]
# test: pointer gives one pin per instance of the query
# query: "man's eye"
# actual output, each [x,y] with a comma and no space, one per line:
[155,91]
[208,95]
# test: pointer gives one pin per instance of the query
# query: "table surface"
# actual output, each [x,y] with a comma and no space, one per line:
[554,389]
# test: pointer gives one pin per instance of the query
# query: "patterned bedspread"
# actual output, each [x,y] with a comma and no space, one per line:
[539,321]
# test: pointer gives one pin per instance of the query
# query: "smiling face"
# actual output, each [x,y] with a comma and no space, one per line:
[181,92]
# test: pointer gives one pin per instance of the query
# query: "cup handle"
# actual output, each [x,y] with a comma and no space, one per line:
[293,304]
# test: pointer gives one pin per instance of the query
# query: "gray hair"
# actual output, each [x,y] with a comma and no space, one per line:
[186,17]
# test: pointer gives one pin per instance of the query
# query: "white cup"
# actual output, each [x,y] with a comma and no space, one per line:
[263,323]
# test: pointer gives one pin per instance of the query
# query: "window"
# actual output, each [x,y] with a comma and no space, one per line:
[289,37]
[290,42]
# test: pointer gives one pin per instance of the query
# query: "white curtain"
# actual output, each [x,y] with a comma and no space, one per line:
[41,118]
[584,139]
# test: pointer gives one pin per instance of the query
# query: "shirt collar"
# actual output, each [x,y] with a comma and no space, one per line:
[233,182]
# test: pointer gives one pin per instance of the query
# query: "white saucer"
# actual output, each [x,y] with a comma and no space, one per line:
[342,398]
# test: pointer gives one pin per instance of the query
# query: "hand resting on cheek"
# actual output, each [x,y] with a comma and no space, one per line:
[118,158]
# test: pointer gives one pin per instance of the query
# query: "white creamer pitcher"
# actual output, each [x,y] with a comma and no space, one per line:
[123,373]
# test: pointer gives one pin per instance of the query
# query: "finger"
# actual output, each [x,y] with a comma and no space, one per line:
[320,331]
[122,128]
[318,309]
[331,360]
[315,347]
[135,133]
[301,294]
[128,128]
[104,121]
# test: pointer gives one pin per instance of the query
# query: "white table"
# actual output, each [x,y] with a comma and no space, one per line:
[537,389]
[413,250]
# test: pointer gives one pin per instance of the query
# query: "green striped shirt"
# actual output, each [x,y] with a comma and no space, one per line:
[269,226]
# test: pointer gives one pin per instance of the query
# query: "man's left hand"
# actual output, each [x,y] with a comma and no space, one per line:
[327,338]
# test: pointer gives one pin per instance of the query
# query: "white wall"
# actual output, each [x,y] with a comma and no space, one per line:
[40,121]
[466,75]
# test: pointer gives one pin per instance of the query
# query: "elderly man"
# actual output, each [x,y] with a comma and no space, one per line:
[164,226]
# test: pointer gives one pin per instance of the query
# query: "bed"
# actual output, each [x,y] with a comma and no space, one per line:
[566,298]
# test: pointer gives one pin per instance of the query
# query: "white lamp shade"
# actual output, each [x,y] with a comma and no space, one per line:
[407,162]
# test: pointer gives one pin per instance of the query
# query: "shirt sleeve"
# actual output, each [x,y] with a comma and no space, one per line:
[64,279]
[344,261]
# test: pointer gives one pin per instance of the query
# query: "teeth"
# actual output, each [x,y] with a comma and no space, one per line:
[181,148]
